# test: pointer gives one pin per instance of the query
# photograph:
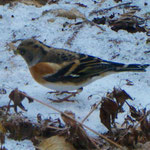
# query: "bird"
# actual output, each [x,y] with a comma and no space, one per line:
[64,70]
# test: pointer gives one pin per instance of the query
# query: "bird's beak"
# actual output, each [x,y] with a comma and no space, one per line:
[16,52]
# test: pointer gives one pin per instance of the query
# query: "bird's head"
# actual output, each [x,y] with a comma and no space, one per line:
[31,50]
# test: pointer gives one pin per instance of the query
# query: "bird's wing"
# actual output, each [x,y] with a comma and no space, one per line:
[81,69]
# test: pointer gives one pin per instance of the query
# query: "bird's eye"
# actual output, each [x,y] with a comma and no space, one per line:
[22,51]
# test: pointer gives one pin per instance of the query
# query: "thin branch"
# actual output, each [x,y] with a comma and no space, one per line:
[70,39]
[108,9]
[94,108]
[94,24]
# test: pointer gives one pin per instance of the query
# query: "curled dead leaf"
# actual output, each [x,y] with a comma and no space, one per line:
[120,95]
[17,97]
[55,143]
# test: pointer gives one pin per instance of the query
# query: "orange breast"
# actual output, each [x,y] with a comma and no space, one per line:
[41,69]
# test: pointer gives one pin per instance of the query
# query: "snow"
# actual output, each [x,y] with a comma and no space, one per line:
[17,23]
[18,145]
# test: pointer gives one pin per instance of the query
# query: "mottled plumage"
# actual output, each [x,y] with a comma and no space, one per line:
[62,70]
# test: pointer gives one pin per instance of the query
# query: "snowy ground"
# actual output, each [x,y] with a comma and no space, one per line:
[17,23]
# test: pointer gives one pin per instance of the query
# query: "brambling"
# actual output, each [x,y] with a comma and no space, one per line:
[64,70]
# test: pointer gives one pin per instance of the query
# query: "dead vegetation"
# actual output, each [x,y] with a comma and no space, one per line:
[46,133]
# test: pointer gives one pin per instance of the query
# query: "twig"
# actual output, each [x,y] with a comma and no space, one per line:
[70,39]
[95,107]
[8,107]
[107,9]
[94,24]
[47,105]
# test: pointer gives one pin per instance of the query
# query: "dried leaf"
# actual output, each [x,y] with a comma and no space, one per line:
[128,23]
[137,114]
[108,112]
[70,14]
[67,120]
[120,95]
[37,3]
[55,143]
[98,20]
[105,118]
[145,126]
[17,97]
[19,129]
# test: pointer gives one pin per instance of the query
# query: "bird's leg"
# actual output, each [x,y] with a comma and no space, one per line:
[66,99]
[72,93]
[55,92]
[60,93]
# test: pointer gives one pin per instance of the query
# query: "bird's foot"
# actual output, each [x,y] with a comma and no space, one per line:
[65,99]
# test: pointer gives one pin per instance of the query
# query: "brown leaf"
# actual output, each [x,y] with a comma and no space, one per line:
[109,109]
[67,120]
[37,3]
[120,95]
[105,118]
[20,129]
[98,20]
[30,99]
[70,14]
[17,98]
[56,143]
[137,114]
[130,23]
[145,126]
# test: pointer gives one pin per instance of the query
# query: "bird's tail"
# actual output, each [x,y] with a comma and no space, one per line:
[132,67]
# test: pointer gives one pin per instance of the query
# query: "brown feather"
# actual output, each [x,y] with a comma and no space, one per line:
[42,69]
